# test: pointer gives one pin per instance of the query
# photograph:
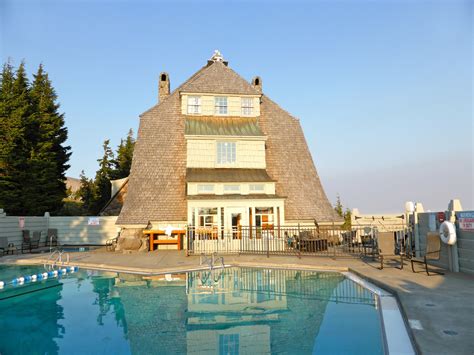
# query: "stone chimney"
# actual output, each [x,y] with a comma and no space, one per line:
[163,86]
[257,83]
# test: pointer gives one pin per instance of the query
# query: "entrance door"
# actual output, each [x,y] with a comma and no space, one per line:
[236,218]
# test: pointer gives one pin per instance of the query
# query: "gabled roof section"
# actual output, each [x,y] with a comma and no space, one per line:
[219,126]
[227,175]
[217,78]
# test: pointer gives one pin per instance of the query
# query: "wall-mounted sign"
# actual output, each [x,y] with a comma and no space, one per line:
[466,221]
[21,222]
[93,221]
[441,216]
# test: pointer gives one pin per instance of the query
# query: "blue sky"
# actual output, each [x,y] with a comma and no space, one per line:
[383,89]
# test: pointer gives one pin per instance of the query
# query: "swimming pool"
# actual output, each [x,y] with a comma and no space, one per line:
[230,311]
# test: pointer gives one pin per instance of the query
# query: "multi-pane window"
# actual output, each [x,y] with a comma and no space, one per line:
[247,106]
[194,105]
[231,189]
[264,217]
[226,152]
[220,103]
[256,188]
[205,189]
[207,217]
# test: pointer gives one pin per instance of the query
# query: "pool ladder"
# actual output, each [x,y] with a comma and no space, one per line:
[211,260]
[210,278]
[56,259]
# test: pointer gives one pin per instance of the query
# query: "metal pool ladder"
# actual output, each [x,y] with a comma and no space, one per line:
[212,260]
[56,259]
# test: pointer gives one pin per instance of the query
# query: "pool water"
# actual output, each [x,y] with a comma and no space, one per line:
[231,311]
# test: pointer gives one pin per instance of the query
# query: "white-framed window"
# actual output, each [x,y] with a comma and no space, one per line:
[194,105]
[231,189]
[264,217]
[226,153]
[256,188]
[220,103]
[207,217]
[205,188]
[247,106]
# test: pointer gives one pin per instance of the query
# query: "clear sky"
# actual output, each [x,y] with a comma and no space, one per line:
[383,89]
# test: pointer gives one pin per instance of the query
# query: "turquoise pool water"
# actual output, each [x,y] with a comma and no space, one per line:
[231,311]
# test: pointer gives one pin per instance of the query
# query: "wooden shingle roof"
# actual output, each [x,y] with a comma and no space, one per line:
[218,78]
[227,175]
[157,183]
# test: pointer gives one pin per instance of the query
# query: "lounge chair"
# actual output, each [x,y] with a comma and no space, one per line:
[386,248]
[432,252]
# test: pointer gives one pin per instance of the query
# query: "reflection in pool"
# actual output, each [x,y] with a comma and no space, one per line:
[231,311]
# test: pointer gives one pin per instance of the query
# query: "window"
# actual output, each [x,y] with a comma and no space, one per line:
[207,217]
[220,105]
[205,189]
[194,105]
[264,217]
[247,106]
[226,153]
[256,188]
[231,189]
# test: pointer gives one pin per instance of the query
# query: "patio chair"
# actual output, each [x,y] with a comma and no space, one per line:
[30,243]
[432,252]
[386,248]
[26,241]
[3,245]
[51,237]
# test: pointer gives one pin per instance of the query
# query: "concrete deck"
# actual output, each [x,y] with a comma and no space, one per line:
[439,308]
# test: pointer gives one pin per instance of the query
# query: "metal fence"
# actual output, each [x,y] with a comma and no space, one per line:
[332,241]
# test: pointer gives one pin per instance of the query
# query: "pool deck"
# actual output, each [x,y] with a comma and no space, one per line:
[439,308]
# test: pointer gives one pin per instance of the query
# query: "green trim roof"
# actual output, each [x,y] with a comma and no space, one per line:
[219,126]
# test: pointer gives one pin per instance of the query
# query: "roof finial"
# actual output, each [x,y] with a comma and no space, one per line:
[217,56]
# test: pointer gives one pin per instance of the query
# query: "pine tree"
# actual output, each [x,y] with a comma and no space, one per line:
[102,179]
[15,111]
[86,192]
[338,207]
[48,154]
[123,162]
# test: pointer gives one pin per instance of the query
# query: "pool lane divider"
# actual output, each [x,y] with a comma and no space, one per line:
[18,281]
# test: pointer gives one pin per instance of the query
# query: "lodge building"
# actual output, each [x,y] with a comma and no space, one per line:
[217,153]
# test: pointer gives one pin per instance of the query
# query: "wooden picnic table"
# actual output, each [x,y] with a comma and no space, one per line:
[154,234]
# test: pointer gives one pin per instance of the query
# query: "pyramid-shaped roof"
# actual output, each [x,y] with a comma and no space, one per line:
[218,78]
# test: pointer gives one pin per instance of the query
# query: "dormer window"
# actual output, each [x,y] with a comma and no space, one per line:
[220,103]
[194,105]
[247,106]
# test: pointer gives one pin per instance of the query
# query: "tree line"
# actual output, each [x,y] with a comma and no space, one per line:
[95,193]
[33,154]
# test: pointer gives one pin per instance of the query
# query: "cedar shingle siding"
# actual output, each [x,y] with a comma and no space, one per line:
[157,184]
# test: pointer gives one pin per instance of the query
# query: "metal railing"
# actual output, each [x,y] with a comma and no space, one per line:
[331,241]
[56,259]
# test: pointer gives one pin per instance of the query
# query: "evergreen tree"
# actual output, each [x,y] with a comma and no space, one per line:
[338,208]
[102,184]
[344,214]
[86,192]
[48,154]
[15,111]
[123,162]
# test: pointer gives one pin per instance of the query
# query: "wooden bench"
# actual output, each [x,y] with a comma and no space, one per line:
[154,234]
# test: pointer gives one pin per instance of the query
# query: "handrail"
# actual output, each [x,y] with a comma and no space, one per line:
[58,261]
